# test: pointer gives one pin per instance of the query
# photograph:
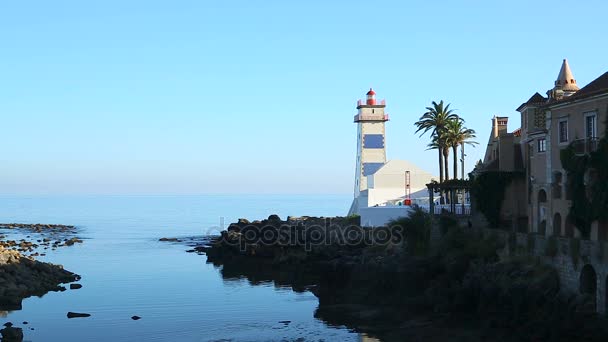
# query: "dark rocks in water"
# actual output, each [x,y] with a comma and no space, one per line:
[285,322]
[169,239]
[22,277]
[72,241]
[77,315]
[191,251]
[135,318]
[75,286]
[8,324]
[10,334]
[25,323]
[274,217]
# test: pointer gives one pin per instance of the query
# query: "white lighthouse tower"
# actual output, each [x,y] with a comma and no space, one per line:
[371,147]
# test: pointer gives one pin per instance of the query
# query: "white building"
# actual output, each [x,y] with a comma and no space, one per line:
[380,184]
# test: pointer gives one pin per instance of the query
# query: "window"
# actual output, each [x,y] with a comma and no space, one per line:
[373,141]
[542,145]
[563,131]
[371,168]
[590,125]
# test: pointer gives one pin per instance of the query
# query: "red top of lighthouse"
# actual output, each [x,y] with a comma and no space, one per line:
[371,97]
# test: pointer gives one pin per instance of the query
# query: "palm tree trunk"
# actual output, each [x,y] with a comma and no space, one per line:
[462,160]
[455,152]
[440,166]
[446,168]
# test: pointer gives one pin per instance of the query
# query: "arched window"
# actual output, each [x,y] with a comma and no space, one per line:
[557,224]
[542,196]
[588,283]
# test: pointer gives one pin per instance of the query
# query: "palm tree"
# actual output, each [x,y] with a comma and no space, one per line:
[457,134]
[435,144]
[435,120]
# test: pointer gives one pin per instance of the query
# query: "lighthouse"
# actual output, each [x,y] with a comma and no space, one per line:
[384,189]
[371,142]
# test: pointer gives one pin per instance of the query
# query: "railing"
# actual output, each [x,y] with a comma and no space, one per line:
[371,117]
[364,103]
[439,209]
[585,146]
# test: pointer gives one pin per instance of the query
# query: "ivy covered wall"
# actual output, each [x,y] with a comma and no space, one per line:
[587,183]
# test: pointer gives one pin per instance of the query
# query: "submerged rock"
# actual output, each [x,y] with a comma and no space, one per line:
[77,315]
[10,334]
[75,286]
[169,239]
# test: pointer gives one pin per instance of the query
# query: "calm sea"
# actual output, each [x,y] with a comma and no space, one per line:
[126,271]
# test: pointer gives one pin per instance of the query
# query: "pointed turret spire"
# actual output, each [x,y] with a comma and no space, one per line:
[565,80]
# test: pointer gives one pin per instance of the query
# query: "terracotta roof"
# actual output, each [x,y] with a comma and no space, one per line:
[535,99]
[565,79]
[596,87]
[517,132]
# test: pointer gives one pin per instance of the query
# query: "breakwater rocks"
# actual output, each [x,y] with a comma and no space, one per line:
[38,227]
[368,281]
[21,277]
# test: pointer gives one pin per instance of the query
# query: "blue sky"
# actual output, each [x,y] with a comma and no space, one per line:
[258,96]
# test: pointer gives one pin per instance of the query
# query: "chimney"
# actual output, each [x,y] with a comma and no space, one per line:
[495,127]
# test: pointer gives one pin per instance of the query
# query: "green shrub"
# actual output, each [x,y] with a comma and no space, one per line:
[488,191]
[416,229]
[551,247]
[353,220]
[447,222]
[468,244]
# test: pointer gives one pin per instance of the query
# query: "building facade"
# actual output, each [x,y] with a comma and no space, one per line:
[566,118]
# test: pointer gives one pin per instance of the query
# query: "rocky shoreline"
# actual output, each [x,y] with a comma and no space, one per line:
[21,276]
[457,290]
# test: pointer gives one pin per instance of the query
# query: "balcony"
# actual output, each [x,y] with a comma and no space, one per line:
[364,103]
[585,146]
[371,117]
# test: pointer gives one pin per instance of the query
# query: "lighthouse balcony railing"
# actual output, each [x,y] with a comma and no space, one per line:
[371,117]
[364,103]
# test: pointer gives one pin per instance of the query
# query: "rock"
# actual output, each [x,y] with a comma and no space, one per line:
[72,241]
[274,217]
[169,239]
[77,315]
[75,286]
[285,322]
[8,324]
[10,334]
[191,251]
[135,318]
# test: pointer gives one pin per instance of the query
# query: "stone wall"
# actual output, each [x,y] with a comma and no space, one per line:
[566,257]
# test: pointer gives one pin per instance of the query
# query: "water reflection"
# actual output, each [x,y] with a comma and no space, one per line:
[333,310]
